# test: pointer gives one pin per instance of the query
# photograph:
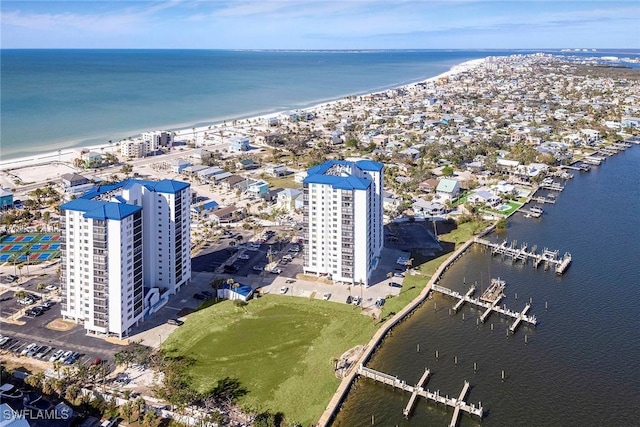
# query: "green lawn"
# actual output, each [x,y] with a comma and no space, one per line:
[280,349]
[284,182]
[513,206]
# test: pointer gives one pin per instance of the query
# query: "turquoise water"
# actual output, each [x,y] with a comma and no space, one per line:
[579,367]
[62,98]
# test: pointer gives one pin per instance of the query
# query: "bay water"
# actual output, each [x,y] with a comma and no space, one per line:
[579,367]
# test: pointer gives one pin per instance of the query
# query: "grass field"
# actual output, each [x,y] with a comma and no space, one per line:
[284,182]
[280,349]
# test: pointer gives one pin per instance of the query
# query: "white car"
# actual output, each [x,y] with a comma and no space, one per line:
[284,289]
[56,355]
[3,340]
[276,270]
[51,287]
[326,296]
[25,301]
[258,267]
[243,256]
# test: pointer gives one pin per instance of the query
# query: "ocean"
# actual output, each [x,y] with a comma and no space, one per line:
[54,99]
[580,366]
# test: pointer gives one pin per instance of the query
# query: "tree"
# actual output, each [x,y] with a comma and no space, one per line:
[447,171]
[20,294]
[126,411]
[150,419]
[126,169]
[139,405]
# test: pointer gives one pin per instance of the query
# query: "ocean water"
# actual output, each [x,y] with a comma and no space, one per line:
[63,98]
[580,366]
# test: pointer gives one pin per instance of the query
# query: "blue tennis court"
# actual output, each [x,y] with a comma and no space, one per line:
[15,248]
[46,238]
[37,246]
[9,239]
[5,257]
[54,246]
[44,257]
[27,238]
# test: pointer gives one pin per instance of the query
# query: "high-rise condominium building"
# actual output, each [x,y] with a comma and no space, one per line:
[343,232]
[126,248]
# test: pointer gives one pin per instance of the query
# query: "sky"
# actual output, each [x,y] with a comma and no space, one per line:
[325,24]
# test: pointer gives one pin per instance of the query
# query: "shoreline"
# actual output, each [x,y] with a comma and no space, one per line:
[376,340]
[67,153]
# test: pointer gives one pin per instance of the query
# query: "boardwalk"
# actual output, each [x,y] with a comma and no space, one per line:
[547,257]
[489,306]
[457,404]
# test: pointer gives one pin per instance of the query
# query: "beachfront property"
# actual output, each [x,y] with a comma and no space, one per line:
[158,139]
[126,248]
[343,232]
[135,149]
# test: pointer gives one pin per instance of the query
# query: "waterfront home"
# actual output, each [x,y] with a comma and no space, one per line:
[258,188]
[484,197]
[200,155]
[630,122]
[423,208]
[448,189]
[69,180]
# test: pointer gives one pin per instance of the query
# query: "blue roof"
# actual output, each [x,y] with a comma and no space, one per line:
[316,175]
[206,206]
[340,182]
[165,186]
[98,209]
[369,165]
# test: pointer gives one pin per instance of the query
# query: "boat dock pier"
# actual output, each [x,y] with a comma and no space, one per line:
[457,404]
[541,199]
[414,395]
[459,304]
[490,306]
[592,160]
[553,187]
[548,257]
[520,317]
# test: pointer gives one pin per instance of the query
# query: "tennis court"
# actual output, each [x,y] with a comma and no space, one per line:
[32,247]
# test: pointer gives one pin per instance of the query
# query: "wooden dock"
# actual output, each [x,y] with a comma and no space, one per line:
[414,395]
[489,306]
[553,187]
[547,257]
[458,404]
[520,317]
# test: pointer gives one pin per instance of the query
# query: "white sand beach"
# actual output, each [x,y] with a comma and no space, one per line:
[49,166]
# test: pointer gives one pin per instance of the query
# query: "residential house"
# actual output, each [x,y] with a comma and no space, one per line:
[424,208]
[448,189]
[258,188]
[299,177]
[484,197]
[203,210]
[246,164]
[226,215]
[238,144]
[178,165]
[286,198]
[6,198]
[276,170]
[428,186]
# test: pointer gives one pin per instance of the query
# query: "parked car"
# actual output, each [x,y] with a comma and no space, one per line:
[356,300]
[72,358]
[326,296]
[28,348]
[207,294]
[34,350]
[396,274]
[284,290]
[258,267]
[395,285]
[290,281]
[379,302]
[97,361]
[43,351]
[48,304]
[276,270]
[25,301]
[243,256]
[176,322]
[3,340]
[199,296]
[51,287]
[56,355]
[230,268]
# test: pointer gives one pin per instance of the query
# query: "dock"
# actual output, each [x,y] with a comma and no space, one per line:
[414,395]
[553,187]
[456,411]
[494,291]
[548,257]
[489,306]
[541,199]
[459,304]
[458,404]
[520,317]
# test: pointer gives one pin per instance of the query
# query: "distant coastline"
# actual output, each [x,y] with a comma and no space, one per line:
[68,152]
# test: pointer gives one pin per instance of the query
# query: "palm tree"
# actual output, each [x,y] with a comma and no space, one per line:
[20,294]
[126,411]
